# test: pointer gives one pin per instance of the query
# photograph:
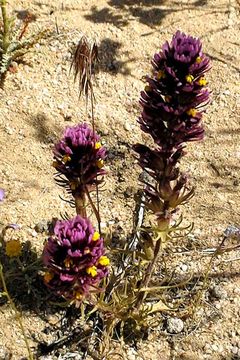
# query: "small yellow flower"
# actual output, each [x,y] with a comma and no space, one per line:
[148,88]
[160,75]
[96,236]
[189,78]
[68,262]
[73,185]
[192,112]
[98,145]
[77,295]
[168,98]
[92,270]
[104,261]
[66,158]
[198,59]
[100,163]
[13,248]
[48,276]
[202,81]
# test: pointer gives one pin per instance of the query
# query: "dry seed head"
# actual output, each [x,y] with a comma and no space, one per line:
[83,63]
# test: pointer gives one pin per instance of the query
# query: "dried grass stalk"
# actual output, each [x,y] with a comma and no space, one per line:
[85,59]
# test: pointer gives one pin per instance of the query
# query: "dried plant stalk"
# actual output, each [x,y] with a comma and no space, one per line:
[83,63]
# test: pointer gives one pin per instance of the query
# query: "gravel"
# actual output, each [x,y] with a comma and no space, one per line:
[174,325]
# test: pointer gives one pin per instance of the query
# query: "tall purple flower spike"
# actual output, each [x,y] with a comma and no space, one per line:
[172,105]
[175,93]
[79,158]
[75,260]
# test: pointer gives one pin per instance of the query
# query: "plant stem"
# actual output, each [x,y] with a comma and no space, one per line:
[5,42]
[17,314]
[5,38]
[80,204]
[148,274]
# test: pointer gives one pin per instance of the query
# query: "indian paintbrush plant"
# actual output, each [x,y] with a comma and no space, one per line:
[77,267]
[14,43]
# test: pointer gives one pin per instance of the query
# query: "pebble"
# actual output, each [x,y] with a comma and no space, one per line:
[9,130]
[218,292]
[73,356]
[41,226]
[184,267]
[4,354]
[127,126]
[175,325]
[235,350]
[214,347]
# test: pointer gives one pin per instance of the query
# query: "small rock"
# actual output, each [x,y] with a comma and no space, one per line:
[175,325]
[214,347]
[41,226]
[184,267]
[9,130]
[218,292]
[127,126]
[235,350]
[73,356]
[128,192]
[4,354]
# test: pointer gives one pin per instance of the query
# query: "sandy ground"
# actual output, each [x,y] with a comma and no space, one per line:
[40,100]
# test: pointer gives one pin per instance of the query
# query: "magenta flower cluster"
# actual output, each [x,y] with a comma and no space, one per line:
[75,259]
[79,158]
[174,95]
[172,104]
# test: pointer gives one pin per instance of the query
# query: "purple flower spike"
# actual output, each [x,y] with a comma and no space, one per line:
[175,93]
[79,158]
[75,259]
[2,194]
[172,103]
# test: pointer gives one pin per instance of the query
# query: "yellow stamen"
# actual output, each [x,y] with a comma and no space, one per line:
[167,98]
[87,251]
[98,145]
[100,163]
[13,248]
[55,164]
[148,88]
[104,261]
[66,158]
[198,60]
[160,75]
[192,112]
[73,185]
[48,276]
[68,262]
[202,81]
[96,236]
[92,270]
[189,78]
[77,295]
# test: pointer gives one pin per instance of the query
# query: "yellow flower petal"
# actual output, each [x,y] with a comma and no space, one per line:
[48,276]
[96,236]
[100,163]
[66,158]
[92,270]
[98,145]
[104,261]
[202,81]
[189,78]
[192,112]
[13,248]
